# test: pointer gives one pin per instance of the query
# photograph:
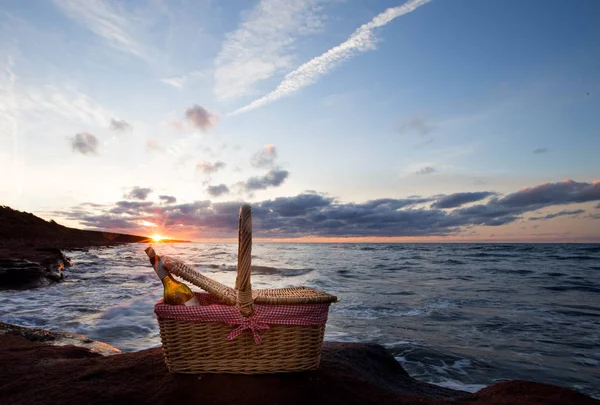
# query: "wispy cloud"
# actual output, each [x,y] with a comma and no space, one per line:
[362,40]
[209,168]
[85,143]
[557,214]
[152,144]
[540,150]
[263,44]
[425,170]
[265,157]
[420,125]
[110,21]
[46,103]
[180,81]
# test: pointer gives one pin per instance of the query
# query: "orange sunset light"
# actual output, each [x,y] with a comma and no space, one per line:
[157,238]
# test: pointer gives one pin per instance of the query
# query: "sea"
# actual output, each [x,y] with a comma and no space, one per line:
[463,316]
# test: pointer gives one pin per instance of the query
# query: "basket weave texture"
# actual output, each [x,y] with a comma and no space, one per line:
[239,330]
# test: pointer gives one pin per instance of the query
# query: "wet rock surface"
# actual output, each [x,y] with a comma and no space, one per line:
[29,268]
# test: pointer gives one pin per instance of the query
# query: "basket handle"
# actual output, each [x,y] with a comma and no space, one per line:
[243,286]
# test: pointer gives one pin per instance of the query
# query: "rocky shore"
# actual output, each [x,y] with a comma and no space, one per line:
[36,368]
[43,367]
[31,248]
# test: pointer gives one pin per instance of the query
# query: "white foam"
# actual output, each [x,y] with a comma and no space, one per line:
[457,385]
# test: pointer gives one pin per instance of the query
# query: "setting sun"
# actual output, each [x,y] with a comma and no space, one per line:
[157,237]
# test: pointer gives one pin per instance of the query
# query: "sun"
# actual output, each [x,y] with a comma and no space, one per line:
[157,238]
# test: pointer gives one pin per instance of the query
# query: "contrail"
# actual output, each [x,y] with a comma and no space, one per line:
[361,40]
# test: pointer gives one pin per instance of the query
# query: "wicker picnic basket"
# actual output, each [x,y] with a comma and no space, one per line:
[242,331]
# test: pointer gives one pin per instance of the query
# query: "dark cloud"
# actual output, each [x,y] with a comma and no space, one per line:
[425,170]
[458,199]
[167,199]
[313,214]
[394,204]
[273,178]
[138,193]
[200,117]
[565,192]
[120,125]
[296,206]
[503,210]
[540,150]
[558,214]
[209,168]
[265,157]
[216,191]
[85,143]
[132,207]
[417,124]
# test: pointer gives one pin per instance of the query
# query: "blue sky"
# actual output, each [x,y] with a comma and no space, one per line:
[230,101]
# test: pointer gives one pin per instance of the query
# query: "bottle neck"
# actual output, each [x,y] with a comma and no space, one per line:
[159,268]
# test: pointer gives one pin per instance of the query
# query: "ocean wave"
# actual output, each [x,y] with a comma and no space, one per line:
[264,270]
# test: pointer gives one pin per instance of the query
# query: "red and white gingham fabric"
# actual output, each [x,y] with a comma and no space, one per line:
[210,310]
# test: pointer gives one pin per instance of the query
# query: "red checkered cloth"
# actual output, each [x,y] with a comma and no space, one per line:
[210,310]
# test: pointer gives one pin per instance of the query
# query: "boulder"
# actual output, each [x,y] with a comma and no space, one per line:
[32,267]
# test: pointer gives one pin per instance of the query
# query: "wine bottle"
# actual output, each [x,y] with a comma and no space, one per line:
[175,293]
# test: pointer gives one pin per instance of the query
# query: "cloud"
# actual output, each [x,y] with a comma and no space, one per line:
[557,214]
[210,168]
[85,143]
[418,124]
[57,106]
[200,117]
[540,150]
[425,170]
[216,191]
[180,81]
[167,199]
[362,40]
[120,125]
[138,193]
[273,178]
[313,214]
[265,157]
[458,199]
[508,208]
[152,144]
[263,44]
[133,207]
[565,192]
[109,21]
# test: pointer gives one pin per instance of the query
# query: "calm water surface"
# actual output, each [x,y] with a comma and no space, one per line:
[458,315]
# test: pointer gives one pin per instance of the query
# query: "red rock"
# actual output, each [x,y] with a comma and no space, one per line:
[350,373]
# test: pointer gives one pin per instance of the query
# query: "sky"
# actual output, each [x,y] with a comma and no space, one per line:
[337,120]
